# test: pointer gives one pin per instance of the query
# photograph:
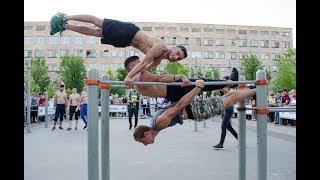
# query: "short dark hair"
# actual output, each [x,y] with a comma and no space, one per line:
[184,50]
[139,131]
[129,60]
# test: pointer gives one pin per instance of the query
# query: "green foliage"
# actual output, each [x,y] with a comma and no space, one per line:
[216,73]
[153,70]
[249,65]
[39,73]
[72,72]
[34,87]
[285,77]
[51,90]
[119,75]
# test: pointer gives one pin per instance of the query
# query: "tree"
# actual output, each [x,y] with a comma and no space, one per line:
[216,73]
[51,90]
[39,73]
[121,73]
[249,65]
[285,77]
[119,76]
[72,72]
[34,87]
[153,70]
[176,68]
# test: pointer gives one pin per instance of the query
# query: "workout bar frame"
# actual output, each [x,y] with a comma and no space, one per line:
[93,143]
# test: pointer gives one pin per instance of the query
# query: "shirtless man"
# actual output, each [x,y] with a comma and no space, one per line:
[171,93]
[84,106]
[60,102]
[74,108]
[121,34]
[190,106]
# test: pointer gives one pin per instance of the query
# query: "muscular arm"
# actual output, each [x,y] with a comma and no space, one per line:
[166,78]
[153,53]
[165,118]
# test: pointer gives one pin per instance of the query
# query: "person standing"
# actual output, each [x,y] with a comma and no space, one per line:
[226,120]
[84,106]
[133,107]
[60,101]
[41,103]
[74,108]
[34,107]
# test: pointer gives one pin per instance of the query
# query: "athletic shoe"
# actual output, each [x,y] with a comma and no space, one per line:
[218,146]
[53,128]
[75,128]
[60,127]
[58,24]
[68,129]
[85,127]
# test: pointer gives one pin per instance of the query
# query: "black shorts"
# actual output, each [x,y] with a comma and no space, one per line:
[117,33]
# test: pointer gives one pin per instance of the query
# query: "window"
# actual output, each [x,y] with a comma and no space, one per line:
[159,28]
[220,42]
[78,52]
[52,53]
[231,31]
[134,53]
[285,44]
[285,34]
[91,40]
[241,55]
[242,43]
[90,53]
[220,55]
[184,41]
[27,53]
[78,40]
[28,40]
[53,40]
[219,31]
[265,43]
[254,43]
[274,33]
[117,53]
[196,41]
[231,42]
[196,54]
[242,31]
[172,29]
[233,55]
[64,52]
[264,32]
[264,56]
[65,40]
[40,40]
[253,32]
[171,40]
[207,41]
[184,29]
[40,53]
[274,56]
[28,27]
[40,28]
[195,29]
[207,30]
[208,54]
[147,28]
[275,44]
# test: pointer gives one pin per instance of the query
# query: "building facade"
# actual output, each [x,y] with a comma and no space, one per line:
[208,45]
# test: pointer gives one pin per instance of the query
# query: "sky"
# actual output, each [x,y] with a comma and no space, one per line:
[274,13]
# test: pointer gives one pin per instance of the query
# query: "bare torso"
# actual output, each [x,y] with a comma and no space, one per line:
[74,99]
[150,91]
[144,43]
[60,97]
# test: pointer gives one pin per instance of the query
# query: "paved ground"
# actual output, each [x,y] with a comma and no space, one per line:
[178,154]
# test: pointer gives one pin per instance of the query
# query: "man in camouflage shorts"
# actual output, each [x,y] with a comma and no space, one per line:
[190,106]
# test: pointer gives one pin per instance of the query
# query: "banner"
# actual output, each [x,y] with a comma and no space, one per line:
[117,108]
[287,115]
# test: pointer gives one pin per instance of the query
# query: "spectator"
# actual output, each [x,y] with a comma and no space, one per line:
[144,103]
[34,107]
[133,107]
[41,103]
[84,107]
[74,108]
[60,101]
[152,105]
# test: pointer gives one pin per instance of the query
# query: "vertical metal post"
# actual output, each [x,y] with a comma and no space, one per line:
[242,136]
[261,94]
[196,75]
[93,154]
[105,142]
[46,109]
[28,95]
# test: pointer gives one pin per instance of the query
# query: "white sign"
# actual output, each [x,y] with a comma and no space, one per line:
[117,108]
[287,115]
[248,112]
[42,111]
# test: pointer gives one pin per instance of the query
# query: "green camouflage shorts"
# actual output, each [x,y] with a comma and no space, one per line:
[206,108]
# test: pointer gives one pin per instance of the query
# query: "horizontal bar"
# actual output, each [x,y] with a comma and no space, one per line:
[180,83]
[282,110]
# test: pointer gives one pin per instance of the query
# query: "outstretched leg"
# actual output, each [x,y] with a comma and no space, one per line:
[87,19]
[237,96]
[85,30]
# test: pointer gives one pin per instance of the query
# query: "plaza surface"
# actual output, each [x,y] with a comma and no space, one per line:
[179,153]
